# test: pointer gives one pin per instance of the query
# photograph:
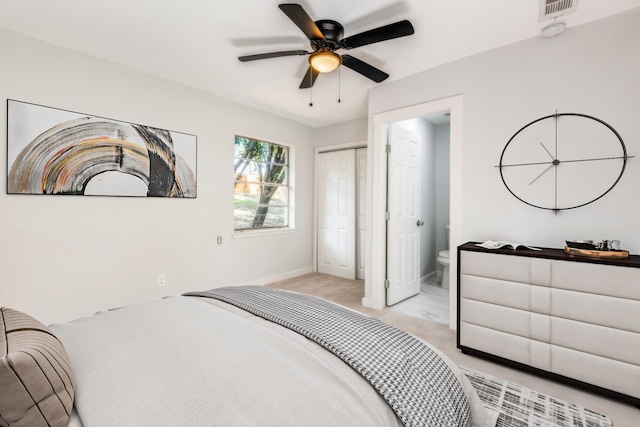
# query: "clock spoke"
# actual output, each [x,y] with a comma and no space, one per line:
[556,131]
[525,164]
[555,162]
[595,159]
[555,193]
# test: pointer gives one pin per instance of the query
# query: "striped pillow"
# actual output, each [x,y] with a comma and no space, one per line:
[35,374]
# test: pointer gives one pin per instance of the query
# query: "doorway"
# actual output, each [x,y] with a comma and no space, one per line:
[375,291]
[421,182]
[429,295]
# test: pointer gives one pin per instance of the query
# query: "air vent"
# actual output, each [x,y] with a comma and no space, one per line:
[553,8]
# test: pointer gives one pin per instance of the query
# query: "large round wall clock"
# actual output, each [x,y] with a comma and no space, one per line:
[563,161]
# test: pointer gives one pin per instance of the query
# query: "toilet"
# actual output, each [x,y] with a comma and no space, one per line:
[443,259]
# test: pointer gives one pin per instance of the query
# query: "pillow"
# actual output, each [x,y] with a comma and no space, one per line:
[35,374]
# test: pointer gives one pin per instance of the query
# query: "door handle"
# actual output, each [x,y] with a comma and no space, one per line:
[420,223]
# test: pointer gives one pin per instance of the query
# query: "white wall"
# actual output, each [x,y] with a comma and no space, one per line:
[592,69]
[341,133]
[68,256]
[442,156]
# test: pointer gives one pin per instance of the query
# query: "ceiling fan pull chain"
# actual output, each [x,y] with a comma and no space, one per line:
[310,87]
[339,85]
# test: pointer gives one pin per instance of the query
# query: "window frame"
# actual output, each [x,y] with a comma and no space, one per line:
[289,185]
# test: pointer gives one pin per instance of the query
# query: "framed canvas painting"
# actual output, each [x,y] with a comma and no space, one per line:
[53,151]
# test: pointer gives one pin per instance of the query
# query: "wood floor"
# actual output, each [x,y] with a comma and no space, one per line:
[350,292]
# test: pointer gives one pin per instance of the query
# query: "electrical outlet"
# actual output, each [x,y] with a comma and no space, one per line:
[162,280]
[219,240]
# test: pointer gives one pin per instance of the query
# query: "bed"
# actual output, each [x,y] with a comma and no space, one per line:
[234,356]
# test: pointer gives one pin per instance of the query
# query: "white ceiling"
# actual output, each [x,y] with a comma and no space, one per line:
[197,42]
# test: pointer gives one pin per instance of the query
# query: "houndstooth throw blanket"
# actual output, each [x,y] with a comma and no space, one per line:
[412,378]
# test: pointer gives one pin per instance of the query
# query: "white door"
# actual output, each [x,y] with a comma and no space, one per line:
[337,214]
[361,210]
[403,226]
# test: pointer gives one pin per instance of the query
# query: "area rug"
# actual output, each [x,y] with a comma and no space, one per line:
[522,407]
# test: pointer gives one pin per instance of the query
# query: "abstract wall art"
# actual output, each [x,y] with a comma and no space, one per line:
[53,151]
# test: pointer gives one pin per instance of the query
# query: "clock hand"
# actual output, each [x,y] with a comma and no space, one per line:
[545,149]
[554,162]
[543,172]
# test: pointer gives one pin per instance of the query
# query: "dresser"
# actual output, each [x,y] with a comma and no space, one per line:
[574,319]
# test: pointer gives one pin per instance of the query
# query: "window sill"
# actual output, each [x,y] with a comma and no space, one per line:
[261,233]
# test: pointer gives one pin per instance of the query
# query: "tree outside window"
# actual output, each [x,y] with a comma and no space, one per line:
[261,194]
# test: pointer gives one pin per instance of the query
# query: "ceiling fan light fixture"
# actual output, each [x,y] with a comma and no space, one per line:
[325,61]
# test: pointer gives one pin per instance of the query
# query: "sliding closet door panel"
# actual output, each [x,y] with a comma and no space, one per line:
[337,214]
[361,210]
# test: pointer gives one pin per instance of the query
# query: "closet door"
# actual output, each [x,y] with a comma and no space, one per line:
[337,213]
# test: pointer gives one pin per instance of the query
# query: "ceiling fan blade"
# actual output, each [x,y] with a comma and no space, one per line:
[309,78]
[363,68]
[296,13]
[387,32]
[272,55]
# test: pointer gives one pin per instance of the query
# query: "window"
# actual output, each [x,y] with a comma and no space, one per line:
[261,188]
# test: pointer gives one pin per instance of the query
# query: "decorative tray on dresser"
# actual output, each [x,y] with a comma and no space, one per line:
[620,254]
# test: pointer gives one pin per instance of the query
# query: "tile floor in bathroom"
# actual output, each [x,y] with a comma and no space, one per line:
[432,303]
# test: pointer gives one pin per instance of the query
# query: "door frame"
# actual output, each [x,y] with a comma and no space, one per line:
[317,151]
[377,196]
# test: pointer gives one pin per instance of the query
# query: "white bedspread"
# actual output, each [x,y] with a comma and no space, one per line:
[185,361]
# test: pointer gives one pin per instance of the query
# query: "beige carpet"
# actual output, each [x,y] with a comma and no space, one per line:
[350,292]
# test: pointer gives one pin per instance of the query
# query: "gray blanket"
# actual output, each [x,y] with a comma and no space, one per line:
[408,374]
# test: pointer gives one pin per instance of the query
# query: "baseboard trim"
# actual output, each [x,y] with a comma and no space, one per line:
[428,277]
[278,277]
[368,302]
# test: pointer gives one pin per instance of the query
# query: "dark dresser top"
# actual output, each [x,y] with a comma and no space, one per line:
[554,253]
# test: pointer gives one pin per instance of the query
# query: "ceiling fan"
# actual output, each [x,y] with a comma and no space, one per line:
[326,38]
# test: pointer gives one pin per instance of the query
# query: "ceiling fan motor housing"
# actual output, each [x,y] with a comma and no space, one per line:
[333,32]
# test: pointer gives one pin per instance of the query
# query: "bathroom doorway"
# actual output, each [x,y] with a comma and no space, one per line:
[375,289]
[431,299]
